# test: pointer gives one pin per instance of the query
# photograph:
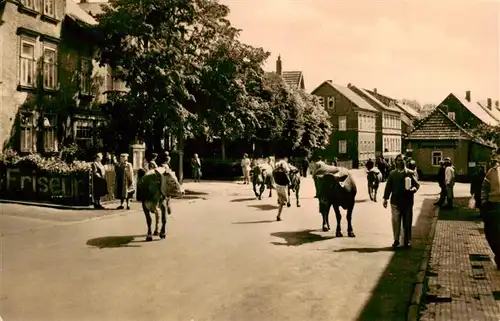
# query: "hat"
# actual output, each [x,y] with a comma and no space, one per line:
[447,159]
[154,155]
[124,155]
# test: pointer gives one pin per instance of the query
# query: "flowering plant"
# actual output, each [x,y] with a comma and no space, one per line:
[36,161]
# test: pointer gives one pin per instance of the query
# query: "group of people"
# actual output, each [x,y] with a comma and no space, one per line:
[124,180]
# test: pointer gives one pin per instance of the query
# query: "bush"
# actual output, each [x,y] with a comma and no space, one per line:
[37,162]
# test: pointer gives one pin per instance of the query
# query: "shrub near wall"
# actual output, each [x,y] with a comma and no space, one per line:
[38,179]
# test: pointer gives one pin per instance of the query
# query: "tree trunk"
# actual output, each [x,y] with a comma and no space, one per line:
[223,148]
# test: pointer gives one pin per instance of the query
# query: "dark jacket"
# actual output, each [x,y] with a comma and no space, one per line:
[395,187]
[440,176]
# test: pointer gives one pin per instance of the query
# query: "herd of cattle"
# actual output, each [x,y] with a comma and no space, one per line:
[335,187]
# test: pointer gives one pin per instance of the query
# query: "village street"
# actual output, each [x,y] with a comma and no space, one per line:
[225,258]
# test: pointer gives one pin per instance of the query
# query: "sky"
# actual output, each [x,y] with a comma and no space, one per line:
[414,49]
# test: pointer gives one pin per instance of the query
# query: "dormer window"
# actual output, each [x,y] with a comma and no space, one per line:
[451,115]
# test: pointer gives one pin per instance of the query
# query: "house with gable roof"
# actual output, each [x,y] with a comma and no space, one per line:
[354,122]
[439,136]
[294,79]
[493,111]
[388,125]
[465,112]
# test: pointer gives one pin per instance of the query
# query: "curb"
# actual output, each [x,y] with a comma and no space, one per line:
[419,289]
[49,205]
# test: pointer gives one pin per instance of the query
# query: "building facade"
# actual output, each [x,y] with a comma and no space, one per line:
[388,125]
[353,119]
[50,83]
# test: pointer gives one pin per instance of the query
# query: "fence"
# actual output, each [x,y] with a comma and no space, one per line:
[25,184]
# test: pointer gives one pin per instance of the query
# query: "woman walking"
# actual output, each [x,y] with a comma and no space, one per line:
[99,183]
[124,181]
[196,167]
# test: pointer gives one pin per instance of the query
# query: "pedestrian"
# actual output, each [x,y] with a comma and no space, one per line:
[281,178]
[304,166]
[196,167]
[166,159]
[369,164]
[152,163]
[490,207]
[245,168]
[449,181]
[124,181]
[413,166]
[400,187]
[476,185]
[335,162]
[442,185]
[99,183]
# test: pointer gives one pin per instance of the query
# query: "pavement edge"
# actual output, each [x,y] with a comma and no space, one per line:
[419,288]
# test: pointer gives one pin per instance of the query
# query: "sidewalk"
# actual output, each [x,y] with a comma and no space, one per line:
[462,280]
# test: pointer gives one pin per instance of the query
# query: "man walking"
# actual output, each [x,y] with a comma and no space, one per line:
[490,208]
[400,187]
[449,181]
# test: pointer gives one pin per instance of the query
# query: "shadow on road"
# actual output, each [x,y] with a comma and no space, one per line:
[237,200]
[392,295]
[296,238]
[117,241]
[366,249]
[363,200]
[255,222]
[460,212]
[265,207]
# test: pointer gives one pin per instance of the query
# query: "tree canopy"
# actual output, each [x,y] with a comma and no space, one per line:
[188,71]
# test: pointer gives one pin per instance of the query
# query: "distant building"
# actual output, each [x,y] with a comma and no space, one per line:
[388,125]
[465,112]
[294,79]
[354,121]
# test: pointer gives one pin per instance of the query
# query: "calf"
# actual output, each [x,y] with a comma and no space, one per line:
[294,184]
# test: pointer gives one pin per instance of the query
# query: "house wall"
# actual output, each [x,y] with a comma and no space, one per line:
[456,150]
[344,107]
[10,97]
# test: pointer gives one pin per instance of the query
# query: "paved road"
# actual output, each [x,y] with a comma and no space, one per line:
[225,258]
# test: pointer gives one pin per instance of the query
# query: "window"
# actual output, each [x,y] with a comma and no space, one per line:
[436,158]
[27,65]
[49,133]
[30,4]
[342,146]
[49,66]
[451,115]
[86,83]
[342,123]
[26,135]
[331,103]
[321,101]
[48,7]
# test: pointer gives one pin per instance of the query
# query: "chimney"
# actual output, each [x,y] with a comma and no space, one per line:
[279,69]
[83,1]
[375,90]
[496,104]
[349,85]
[467,95]
[489,103]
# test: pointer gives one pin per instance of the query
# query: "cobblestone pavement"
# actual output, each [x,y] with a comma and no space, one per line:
[463,283]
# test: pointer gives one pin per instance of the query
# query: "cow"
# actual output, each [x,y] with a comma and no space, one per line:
[374,177]
[262,176]
[155,190]
[335,187]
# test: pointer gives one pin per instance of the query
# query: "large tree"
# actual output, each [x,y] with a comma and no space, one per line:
[158,48]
